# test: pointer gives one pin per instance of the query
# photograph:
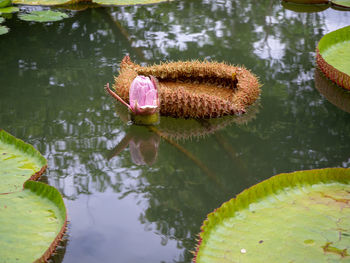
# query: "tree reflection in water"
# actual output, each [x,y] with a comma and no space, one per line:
[53,98]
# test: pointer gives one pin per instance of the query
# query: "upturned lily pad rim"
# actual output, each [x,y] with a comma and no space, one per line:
[332,38]
[26,148]
[128,2]
[305,8]
[55,197]
[265,188]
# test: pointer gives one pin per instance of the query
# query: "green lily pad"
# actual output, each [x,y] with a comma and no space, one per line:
[4,3]
[127,2]
[341,3]
[31,223]
[43,16]
[333,56]
[2,19]
[297,217]
[19,162]
[9,10]
[4,30]
[308,1]
[305,8]
[43,2]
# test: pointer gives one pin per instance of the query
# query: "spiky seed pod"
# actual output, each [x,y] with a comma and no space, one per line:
[193,89]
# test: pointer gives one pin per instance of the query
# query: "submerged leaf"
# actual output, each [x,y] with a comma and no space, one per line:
[296,217]
[9,10]
[43,16]
[19,161]
[31,223]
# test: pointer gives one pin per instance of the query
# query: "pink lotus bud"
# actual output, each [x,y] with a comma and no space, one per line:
[143,96]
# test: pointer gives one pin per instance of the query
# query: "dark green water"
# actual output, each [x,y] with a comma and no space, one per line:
[149,208]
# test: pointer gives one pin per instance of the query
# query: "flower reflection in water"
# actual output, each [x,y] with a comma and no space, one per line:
[143,145]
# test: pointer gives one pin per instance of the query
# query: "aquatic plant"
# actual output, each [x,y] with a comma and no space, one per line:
[333,56]
[295,217]
[43,16]
[193,89]
[32,214]
[143,100]
[315,5]
[100,2]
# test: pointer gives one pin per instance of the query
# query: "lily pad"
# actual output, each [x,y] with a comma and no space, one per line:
[127,2]
[4,3]
[43,2]
[43,16]
[32,223]
[333,56]
[9,10]
[19,162]
[305,8]
[2,19]
[308,1]
[296,217]
[341,3]
[4,30]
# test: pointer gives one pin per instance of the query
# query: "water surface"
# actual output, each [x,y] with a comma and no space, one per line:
[145,202]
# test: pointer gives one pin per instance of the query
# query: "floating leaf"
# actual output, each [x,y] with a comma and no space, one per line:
[32,223]
[308,1]
[44,2]
[305,8]
[194,89]
[341,3]
[297,217]
[2,19]
[127,2]
[9,10]
[4,3]
[43,16]
[32,219]
[4,30]
[333,56]
[19,161]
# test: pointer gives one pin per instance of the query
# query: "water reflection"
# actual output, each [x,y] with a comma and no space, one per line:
[143,145]
[332,92]
[143,141]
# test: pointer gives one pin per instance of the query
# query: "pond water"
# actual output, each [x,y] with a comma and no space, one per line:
[132,195]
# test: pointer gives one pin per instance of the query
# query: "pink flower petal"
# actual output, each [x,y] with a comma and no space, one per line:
[150,97]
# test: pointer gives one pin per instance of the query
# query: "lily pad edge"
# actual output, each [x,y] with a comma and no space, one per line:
[54,196]
[27,148]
